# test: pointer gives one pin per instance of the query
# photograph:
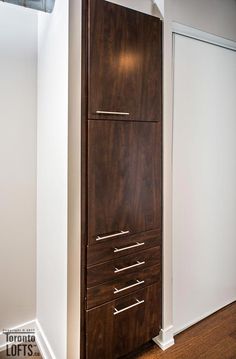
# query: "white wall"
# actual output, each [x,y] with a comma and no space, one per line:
[18,96]
[214,16]
[204,177]
[52,176]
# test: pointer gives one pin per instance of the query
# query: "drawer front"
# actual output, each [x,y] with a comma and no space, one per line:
[118,247]
[124,285]
[121,326]
[112,270]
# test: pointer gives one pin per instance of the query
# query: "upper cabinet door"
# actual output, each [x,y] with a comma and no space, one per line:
[124,64]
[124,179]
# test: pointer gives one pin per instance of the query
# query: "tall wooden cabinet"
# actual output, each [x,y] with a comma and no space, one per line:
[122,179]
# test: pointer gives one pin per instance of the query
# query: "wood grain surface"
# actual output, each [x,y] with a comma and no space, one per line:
[125,56]
[111,336]
[124,177]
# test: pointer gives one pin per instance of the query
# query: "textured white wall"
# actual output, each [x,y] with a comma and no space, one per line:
[204,177]
[52,163]
[18,111]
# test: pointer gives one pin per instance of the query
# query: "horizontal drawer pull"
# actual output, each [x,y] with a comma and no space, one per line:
[138,302]
[138,282]
[138,244]
[121,233]
[138,263]
[112,113]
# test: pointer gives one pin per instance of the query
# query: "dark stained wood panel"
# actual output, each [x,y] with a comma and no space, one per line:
[111,336]
[99,331]
[124,177]
[125,55]
[101,273]
[124,285]
[118,247]
[140,324]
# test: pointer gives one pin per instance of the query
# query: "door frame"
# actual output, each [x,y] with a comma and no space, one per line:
[200,35]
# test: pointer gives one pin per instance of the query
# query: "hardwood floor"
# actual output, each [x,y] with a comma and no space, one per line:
[212,338]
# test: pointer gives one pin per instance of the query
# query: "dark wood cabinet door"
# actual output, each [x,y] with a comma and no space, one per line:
[121,326]
[124,179]
[124,63]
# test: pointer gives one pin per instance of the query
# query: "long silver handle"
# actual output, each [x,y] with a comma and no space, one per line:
[121,233]
[113,113]
[129,247]
[138,302]
[138,263]
[138,282]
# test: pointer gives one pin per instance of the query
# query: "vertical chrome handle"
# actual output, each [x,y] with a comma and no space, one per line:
[138,282]
[112,113]
[138,244]
[138,263]
[138,302]
[121,233]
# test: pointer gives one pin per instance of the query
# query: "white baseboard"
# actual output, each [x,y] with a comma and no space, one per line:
[41,339]
[23,326]
[43,343]
[165,339]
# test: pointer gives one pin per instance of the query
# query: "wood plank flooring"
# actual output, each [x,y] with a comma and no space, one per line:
[212,338]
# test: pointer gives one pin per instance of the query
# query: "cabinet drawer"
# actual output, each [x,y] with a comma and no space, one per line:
[123,285]
[121,326]
[112,270]
[118,247]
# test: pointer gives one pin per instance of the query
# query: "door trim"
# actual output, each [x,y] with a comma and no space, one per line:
[197,34]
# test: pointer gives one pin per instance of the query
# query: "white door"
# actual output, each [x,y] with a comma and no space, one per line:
[204,180]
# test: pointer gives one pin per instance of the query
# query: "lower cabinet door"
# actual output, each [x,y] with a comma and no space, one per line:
[124,179]
[117,328]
